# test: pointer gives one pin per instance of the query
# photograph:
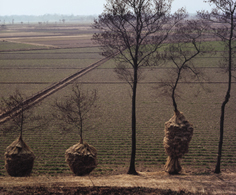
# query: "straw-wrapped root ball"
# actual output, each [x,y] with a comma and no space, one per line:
[19,159]
[178,134]
[82,158]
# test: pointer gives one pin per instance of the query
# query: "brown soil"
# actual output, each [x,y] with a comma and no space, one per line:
[144,183]
[82,158]
[19,158]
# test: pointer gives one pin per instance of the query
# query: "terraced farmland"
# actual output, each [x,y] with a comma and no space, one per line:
[32,71]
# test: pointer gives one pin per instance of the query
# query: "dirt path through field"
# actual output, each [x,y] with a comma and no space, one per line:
[224,183]
[31,101]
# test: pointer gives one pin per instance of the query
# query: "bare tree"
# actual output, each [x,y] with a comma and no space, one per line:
[186,43]
[22,119]
[76,108]
[223,25]
[135,29]
[11,102]
[19,158]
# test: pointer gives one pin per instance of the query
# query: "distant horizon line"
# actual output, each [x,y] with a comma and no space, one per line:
[50,14]
[61,14]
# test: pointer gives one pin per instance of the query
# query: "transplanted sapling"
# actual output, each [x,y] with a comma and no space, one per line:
[19,158]
[185,45]
[75,110]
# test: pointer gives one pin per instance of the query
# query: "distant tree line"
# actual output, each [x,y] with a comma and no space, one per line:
[47,18]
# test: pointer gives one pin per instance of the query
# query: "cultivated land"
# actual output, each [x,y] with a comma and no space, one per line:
[34,57]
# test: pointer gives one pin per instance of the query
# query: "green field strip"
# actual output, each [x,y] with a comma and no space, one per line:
[90,50]
[25,75]
[54,168]
[39,56]
[35,64]
[5,46]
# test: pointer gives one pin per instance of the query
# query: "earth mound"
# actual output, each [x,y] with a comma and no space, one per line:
[19,159]
[82,158]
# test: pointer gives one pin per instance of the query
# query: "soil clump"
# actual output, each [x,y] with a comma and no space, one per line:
[19,158]
[178,134]
[82,158]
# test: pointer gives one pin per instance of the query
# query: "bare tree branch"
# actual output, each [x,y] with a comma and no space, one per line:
[76,108]
[223,14]
[136,29]
[186,44]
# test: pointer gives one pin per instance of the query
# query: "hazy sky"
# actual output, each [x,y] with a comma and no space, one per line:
[77,7]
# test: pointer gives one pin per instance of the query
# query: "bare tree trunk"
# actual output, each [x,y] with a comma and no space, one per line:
[133,153]
[217,169]
[21,122]
[81,130]
[173,91]
[222,117]
[81,140]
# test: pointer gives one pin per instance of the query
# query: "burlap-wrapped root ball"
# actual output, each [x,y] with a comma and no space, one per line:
[82,158]
[178,134]
[19,159]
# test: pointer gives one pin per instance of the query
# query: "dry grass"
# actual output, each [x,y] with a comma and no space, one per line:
[197,184]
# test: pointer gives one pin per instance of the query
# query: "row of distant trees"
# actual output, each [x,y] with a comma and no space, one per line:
[47,18]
